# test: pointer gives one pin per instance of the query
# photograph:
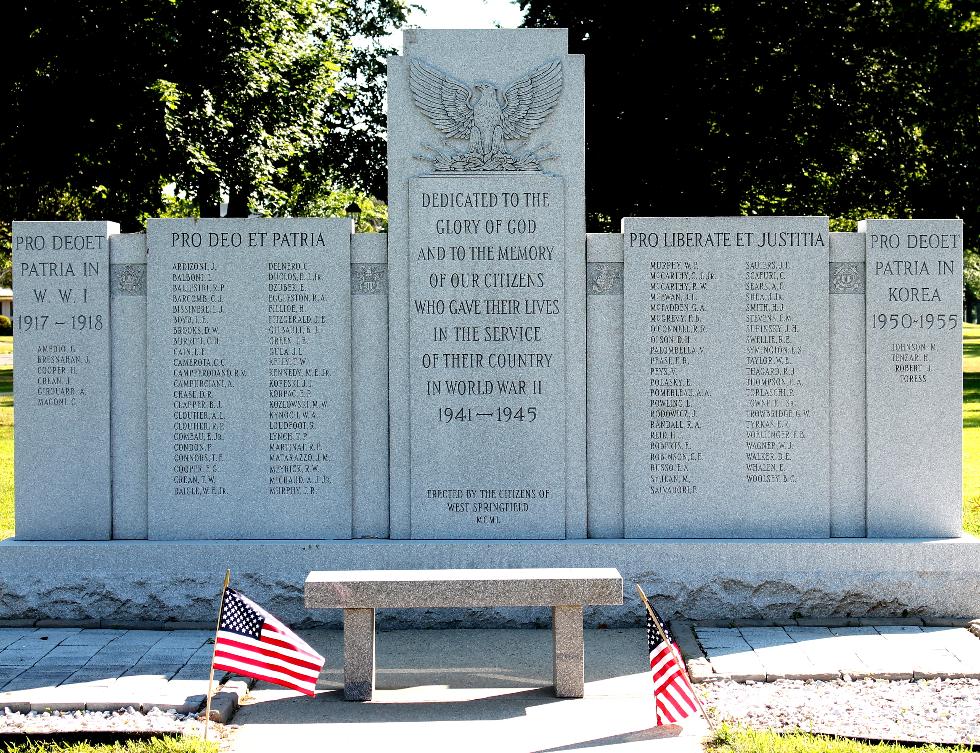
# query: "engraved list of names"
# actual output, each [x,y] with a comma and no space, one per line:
[61,369]
[249,379]
[726,389]
[487,349]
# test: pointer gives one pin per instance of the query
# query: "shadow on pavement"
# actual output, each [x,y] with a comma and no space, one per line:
[642,735]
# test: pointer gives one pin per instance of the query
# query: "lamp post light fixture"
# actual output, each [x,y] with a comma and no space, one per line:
[354,212]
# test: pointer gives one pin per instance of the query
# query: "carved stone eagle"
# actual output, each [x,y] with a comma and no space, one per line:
[481,114]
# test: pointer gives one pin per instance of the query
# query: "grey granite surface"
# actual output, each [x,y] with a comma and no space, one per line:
[490,587]
[488,358]
[249,378]
[369,384]
[604,406]
[554,142]
[914,377]
[124,581]
[359,654]
[726,378]
[61,379]
[568,651]
[127,426]
[848,427]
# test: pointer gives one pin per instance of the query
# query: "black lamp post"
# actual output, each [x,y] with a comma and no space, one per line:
[354,212]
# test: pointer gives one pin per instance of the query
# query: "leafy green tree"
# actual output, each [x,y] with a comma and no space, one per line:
[276,103]
[272,102]
[78,138]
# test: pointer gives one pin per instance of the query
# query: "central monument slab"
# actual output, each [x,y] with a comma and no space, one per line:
[487,286]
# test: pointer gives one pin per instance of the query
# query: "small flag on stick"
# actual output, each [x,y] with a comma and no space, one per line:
[252,642]
[675,698]
[673,693]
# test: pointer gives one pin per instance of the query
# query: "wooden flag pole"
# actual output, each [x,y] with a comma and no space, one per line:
[677,657]
[221,607]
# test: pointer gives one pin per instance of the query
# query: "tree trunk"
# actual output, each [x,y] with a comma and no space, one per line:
[209,196]
[238,202]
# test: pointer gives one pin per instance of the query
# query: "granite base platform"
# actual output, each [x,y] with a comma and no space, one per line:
[152,582]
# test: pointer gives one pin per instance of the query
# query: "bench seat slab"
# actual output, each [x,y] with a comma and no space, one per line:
[511,587]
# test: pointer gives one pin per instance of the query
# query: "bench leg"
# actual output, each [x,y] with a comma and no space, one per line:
[358,654]
[569,651]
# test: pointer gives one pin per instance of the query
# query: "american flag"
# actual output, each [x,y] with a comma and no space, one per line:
[671,689]
[252,642]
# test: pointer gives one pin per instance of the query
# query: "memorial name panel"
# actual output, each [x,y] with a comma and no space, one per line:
[914,376]
[249,379]
[726,377]
[61,379]
[487,356]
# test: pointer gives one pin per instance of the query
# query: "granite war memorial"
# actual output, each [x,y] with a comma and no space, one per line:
[752,416]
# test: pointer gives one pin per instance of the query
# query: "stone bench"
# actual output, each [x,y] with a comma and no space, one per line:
[360,592]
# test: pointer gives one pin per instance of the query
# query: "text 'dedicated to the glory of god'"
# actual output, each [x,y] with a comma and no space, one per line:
[487,342]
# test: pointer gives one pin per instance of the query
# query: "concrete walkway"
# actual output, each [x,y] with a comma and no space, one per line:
[890,652]
[474,690]
[446,689]
[103,670]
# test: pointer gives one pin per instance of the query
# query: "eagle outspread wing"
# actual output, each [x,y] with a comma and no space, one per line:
[529,101]
[444,101]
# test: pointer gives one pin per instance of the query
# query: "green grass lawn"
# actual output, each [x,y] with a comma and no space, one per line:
[158,745]
[740,740]
[971,428]
[6,452]
[6,344]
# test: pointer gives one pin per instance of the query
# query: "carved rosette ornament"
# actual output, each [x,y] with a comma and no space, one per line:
[368,279]
[127,279]
[847,277]
[604,278]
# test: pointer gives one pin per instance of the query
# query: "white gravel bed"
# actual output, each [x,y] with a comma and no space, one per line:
[946,711]
[123,720]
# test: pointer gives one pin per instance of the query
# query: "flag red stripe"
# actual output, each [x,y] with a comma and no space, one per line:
[270,665]
[276,681]
[260,642]
[659,658]
[260,649]
[667,671]
[671,703]
[254,652]
[671,688]
[286,644]
[246,662]
[680,699]
[667,675]
[684,690]
[679,693]
[273,625]
[678,684]
[271,674]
